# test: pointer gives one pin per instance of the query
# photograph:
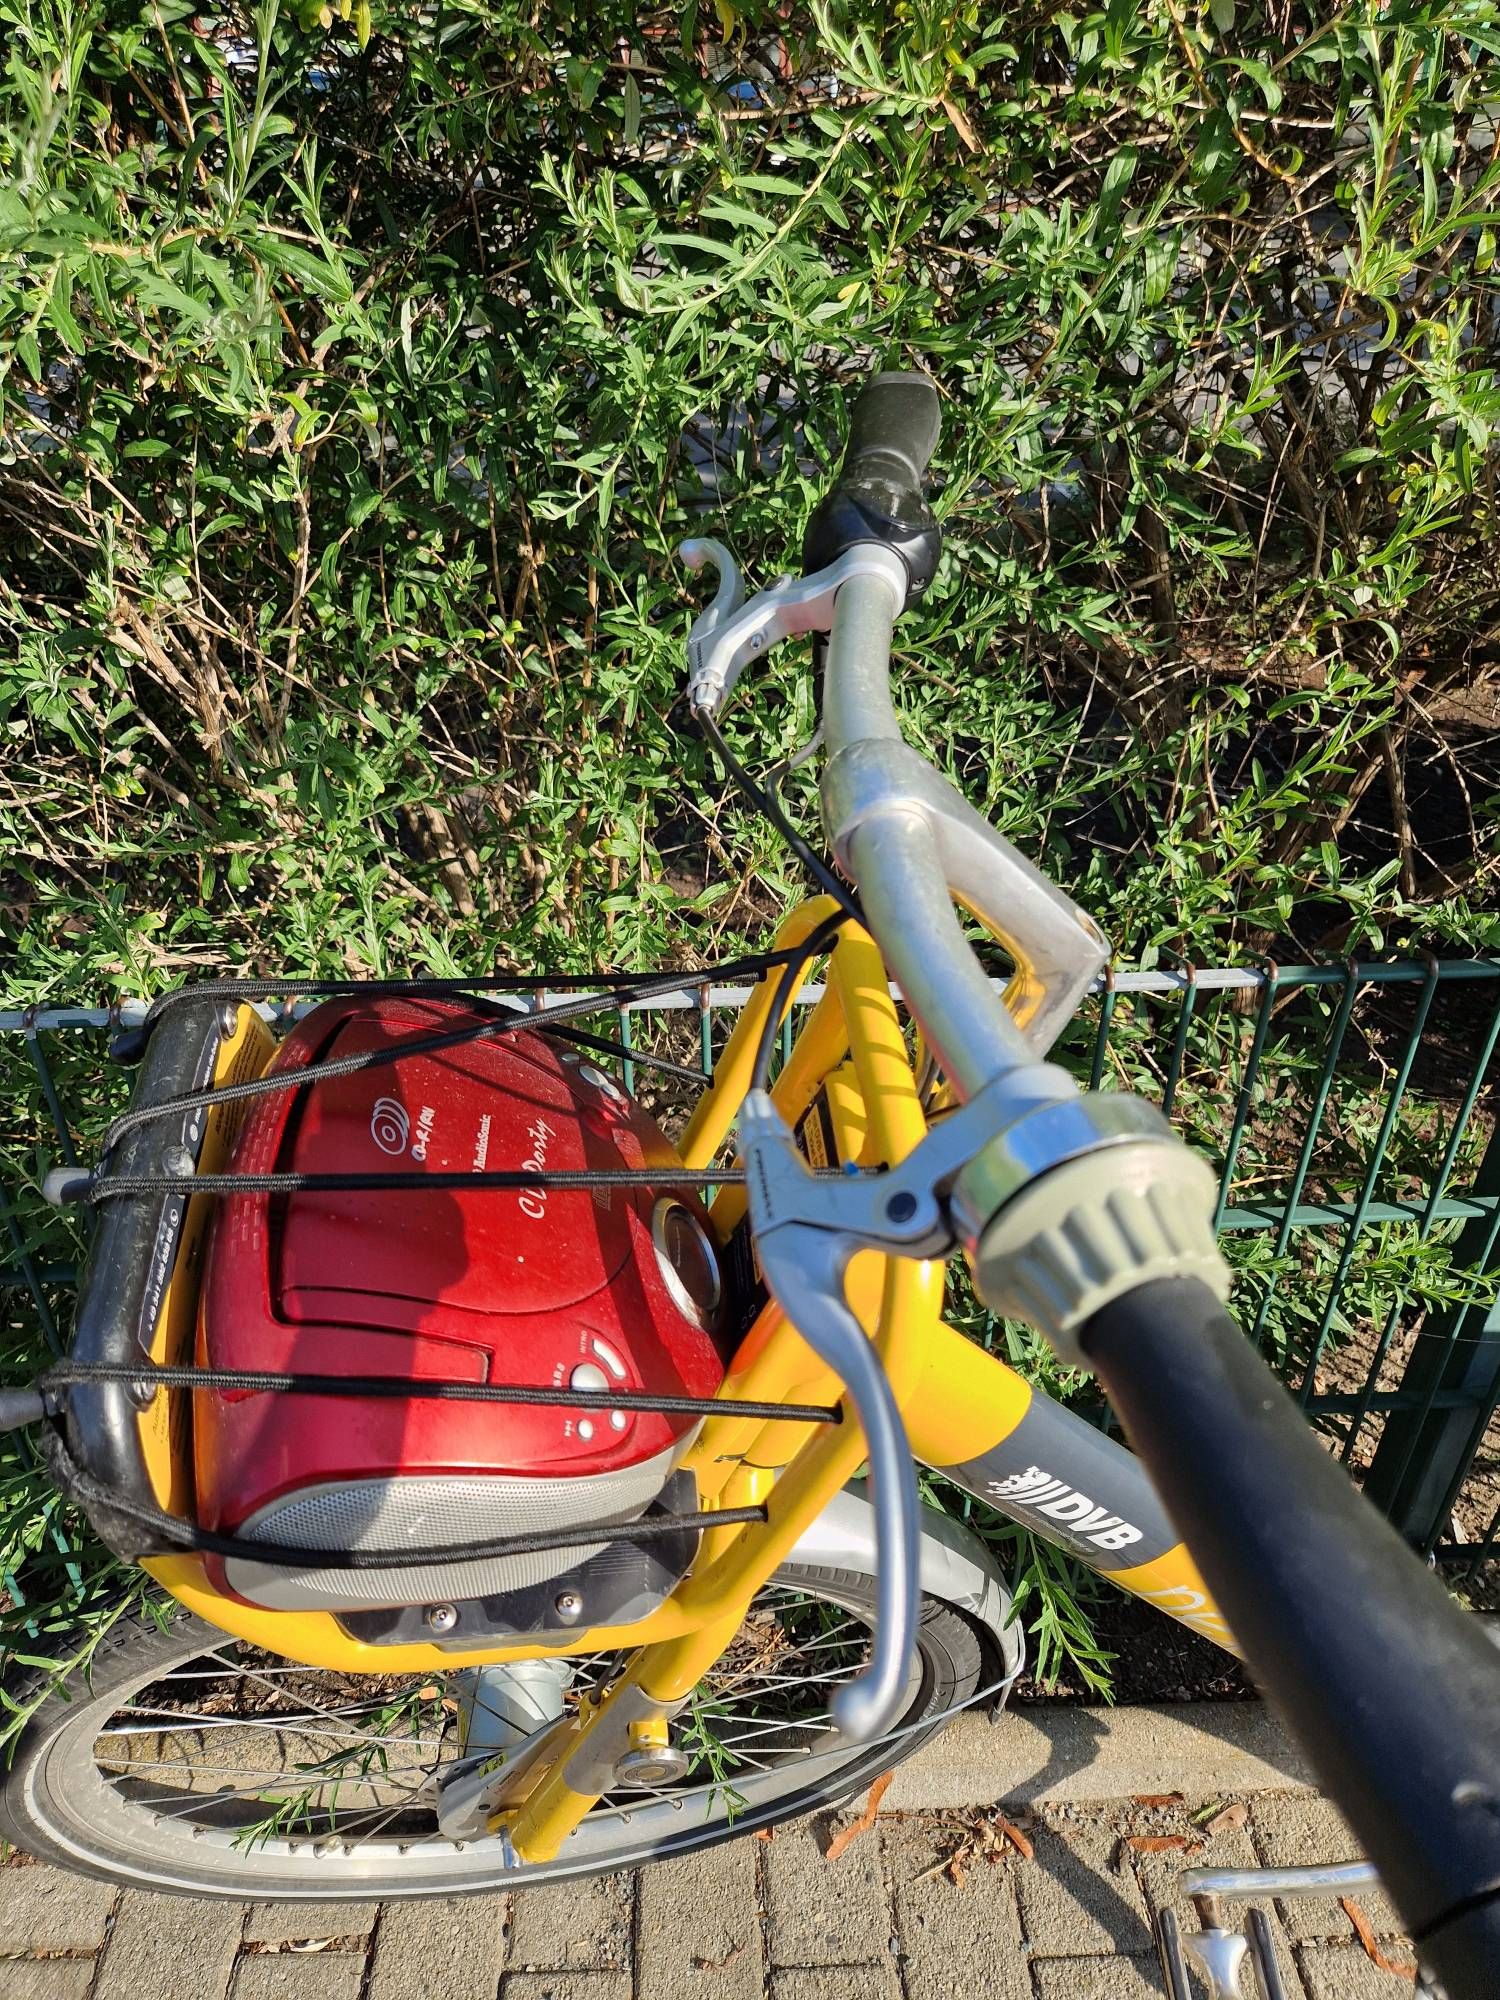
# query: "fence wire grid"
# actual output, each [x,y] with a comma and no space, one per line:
[1350,1110]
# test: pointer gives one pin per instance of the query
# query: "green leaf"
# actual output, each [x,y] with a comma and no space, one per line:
[727,253]
[60,313]
[632,96]
[154,288]
[717,209]
[1117,178]
[1261,75]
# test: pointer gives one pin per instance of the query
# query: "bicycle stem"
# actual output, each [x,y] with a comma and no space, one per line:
[891,852]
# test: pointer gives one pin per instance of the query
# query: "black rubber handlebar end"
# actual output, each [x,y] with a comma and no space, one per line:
[1392,1690]
[897,417]
[877,496]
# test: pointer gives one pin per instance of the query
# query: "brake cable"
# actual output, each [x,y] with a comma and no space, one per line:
[767,799]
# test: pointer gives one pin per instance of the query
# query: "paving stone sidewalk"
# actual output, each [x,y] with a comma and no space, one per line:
[896,1917]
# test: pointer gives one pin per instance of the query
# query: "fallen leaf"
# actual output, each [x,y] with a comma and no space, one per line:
[1155,1843]
[1016,1838]
[1207,1812]
[1366,1936]
[961,126]
[866,1820]
[766,1833]
[718,1964]
[1158,1798]
[956,1868]
[1229,1821]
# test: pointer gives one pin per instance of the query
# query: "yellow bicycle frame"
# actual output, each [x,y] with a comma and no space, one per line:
[962,1408]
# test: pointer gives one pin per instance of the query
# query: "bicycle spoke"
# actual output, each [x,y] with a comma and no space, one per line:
[272,1774]
[343,1767]
[244,1673]
[765,1685]
[387,1813]
[175,1725]
[818,1726]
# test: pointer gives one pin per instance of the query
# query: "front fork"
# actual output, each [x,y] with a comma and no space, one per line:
[624,1731]
[1029,1458]
[967,1415]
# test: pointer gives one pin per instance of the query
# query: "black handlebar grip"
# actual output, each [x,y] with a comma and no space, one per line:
[1392,1690]
[877,496]
[894,430]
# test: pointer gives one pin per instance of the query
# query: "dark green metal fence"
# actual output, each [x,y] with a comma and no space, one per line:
[1351,1109]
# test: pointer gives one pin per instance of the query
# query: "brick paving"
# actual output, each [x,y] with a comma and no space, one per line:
[755,1920]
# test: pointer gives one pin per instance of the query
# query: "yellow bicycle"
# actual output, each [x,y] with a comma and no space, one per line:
[766,1630]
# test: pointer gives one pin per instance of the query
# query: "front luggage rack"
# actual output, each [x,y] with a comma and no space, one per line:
[148,1179]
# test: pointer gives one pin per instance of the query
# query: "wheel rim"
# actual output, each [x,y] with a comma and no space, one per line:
[226,1772]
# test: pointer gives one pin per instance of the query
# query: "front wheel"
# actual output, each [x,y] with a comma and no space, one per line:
[193,1763]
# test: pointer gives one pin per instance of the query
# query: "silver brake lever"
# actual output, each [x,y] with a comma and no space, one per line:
[730,633]
[804,1264]
[806,1229]
[1058,950]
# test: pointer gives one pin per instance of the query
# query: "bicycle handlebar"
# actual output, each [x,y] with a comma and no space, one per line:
[1393,1690]
[1390,1688]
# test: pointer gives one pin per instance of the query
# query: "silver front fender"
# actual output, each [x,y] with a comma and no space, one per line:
[954,1564]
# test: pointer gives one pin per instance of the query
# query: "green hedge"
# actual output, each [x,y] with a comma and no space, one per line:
[356,397]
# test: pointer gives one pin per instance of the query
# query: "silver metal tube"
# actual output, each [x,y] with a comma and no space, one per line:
[857,684]
[895,861]
[1237,1883]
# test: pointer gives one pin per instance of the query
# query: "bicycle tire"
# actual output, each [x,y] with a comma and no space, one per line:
[50,1812]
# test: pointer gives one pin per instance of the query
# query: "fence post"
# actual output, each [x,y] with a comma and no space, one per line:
[1425,1451]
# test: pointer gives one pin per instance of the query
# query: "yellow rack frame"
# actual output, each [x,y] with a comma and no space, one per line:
[958,1402]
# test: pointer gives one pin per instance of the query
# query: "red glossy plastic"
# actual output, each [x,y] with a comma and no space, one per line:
[514,1285]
